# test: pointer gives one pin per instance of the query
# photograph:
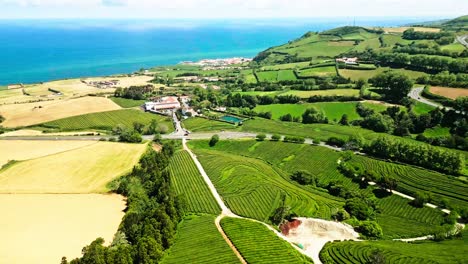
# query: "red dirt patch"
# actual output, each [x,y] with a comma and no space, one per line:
[452,93]
[286,227]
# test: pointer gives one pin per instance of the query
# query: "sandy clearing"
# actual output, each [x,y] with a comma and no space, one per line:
[125,81]
[43,228]
[452,93]
[34,113]
[24,150]
[313,234]
[84,170]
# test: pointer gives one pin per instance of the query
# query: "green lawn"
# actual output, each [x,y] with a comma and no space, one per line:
[127,103]
[318,71]
[252,188]
[189,183]
[421,108]
[457,47]
[449,251]
[333,110]
[199,241]
[108,120]
[198,124]
[258,244]
[249,77]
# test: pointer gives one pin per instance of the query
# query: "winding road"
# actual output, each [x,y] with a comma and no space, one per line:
[463,40]
[416,95]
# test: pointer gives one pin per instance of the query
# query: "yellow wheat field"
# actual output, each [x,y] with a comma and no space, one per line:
[83,170]
[35,113]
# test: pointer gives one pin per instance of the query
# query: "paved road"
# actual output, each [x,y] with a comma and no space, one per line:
[463,40]
[416,95]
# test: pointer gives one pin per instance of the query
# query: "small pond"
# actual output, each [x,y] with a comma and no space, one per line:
[231,119]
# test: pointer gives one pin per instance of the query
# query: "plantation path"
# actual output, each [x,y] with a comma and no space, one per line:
[226,212]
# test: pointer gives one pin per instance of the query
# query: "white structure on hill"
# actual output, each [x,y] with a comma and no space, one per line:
[163,104]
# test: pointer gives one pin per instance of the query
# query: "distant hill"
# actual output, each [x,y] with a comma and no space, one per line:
[459,23]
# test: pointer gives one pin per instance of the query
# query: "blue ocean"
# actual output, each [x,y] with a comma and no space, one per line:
[41,50]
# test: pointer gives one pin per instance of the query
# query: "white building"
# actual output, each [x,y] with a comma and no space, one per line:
[163,104]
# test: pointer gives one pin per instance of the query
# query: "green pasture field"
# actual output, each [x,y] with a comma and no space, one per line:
[286,75]
[367,74]
[391,40]
[319,49]
[249,77]
[372,43]
[286,66]
[199,241]
[331,92]
[108,120]
[333,110]
[267,76]
[189,183]
[457,47]
[252,188]
[437,132]
[198,124]
[448,251]
[318,71]
[127,103]
[421,108]
[257,244]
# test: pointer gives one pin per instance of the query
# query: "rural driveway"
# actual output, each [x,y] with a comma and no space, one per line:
[463,40]
[416,95]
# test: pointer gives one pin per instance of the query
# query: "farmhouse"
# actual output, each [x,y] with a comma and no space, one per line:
[348,61]
[163,104]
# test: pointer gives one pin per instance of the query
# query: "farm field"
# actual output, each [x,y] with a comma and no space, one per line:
[413,179]
[249,77]
[331,92]
[403,29]
[197,124]
[286,66]
[17,115]
[252,188]
[108,120]
[449,251]
[127,103]
[24,150]
[367,74]
[452,93]
[333,110]
[395,210]
[318,71]
[267,76]
[49,227]
[188,182]
[286,75]
[199,241]
[65,172]
[258,244]
[437,132]
[457,47]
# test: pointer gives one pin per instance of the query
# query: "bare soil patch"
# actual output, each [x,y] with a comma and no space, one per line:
[40,228]
[452,93]
[402,29]
[313,234]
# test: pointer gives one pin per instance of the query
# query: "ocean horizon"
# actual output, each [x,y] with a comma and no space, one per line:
[33,51]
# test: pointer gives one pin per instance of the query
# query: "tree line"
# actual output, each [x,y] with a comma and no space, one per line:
[134,92]
[423,62]
[153,212]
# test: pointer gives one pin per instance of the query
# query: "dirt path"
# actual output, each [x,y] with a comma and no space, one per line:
[228,241]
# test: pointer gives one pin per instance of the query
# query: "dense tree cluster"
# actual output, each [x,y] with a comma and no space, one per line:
[423,48]
[396,85]
[412,34]
[312,115]
[445,78]
[423,62]
[149,225]
[418,154]
[134,92]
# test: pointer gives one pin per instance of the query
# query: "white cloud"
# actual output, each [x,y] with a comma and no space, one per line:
[231,8]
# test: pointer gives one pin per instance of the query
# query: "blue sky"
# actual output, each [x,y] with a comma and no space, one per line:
[216,9]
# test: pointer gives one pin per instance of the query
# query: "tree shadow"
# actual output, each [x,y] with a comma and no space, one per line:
[380,193]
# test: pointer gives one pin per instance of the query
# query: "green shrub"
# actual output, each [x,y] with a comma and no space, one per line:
[275,138]
[214,139]
[261,137]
